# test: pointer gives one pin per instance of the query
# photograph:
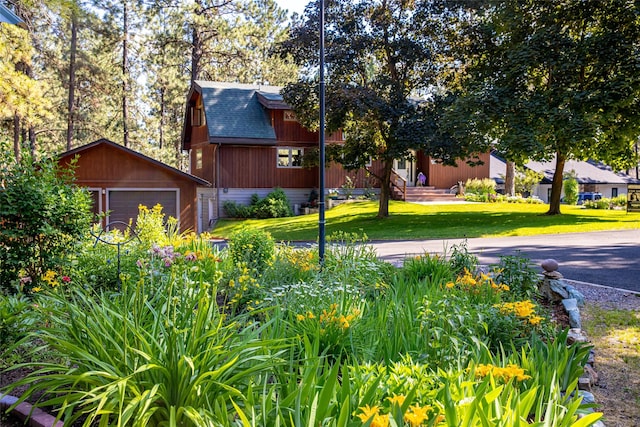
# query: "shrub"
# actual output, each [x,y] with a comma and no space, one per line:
[255,248]
[152,228]
[571,190]
[460,259]
[96,263]
[518,274]
[620,201]
[480,186]
[44,216]
[236,210]
[274,205]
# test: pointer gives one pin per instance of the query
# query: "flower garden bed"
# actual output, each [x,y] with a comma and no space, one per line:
[258,334]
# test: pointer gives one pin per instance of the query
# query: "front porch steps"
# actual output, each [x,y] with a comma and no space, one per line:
[427,194]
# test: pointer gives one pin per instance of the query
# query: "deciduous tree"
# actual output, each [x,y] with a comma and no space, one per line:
[386,65]
[557,79]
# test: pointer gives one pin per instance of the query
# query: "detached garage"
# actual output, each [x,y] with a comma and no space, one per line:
[121,179]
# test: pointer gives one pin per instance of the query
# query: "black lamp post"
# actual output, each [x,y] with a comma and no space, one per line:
[321,200]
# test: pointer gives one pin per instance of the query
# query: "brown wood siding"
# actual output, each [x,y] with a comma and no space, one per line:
[447,176]
[105,167]
[199,134]
[335,176]
[289,131]
[255,167]
[207,171]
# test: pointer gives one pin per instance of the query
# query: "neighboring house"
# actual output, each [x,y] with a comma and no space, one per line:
[6,15]
[245,140]
[592,176]
[121,179]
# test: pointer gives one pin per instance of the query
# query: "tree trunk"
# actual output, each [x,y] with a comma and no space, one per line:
[385,189]
[125,75]
[510,179]
[16,136]
[556,185]
[161,124]
[196,54]
[72,77]
[32,141]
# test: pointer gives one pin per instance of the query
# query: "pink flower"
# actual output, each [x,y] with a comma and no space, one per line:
[139,263]
[167,262]
[66,279]
[26,279]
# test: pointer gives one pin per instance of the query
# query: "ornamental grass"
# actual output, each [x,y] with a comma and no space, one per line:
[199,336]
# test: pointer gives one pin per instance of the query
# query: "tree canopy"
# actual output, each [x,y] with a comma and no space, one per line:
[122,69]
[385,85]
[556,80]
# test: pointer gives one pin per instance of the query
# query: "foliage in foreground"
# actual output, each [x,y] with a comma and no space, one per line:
[42,217]
[358,342]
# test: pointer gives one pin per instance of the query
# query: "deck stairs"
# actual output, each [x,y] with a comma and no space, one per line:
[426,194]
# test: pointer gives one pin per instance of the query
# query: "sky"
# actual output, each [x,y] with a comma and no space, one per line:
[293,5]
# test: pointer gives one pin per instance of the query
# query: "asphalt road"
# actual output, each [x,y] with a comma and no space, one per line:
[610,258]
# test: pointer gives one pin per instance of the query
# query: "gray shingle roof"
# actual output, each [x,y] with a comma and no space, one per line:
[233,110]
[587,172]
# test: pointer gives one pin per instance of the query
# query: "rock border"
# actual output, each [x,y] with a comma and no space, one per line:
[556,289]
[25,412]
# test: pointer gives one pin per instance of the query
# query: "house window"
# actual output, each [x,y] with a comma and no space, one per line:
[614,192]
[199,158]
[197,116]
[289,116]
[290,157]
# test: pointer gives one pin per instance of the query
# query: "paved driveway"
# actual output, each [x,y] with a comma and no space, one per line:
[610,258]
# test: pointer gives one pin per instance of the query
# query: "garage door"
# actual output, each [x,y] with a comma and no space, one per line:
[123,205]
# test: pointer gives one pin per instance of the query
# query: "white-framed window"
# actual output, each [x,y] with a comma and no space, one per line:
[289,157]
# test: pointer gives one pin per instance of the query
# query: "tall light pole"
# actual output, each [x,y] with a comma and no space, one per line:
[321,207]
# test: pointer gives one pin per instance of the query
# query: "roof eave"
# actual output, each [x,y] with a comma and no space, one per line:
[242,141]
[272,104]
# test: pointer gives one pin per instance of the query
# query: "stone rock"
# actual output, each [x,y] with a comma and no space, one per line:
[576,294]
[552,289]
[592,358]
[574,318]
[592,374]
[571,308]
[549,265]
[587,398]
[570,304]
[576,335]
[558,287]
[584,383]
[553,274]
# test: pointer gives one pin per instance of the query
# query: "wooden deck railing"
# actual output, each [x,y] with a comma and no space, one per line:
[400,183]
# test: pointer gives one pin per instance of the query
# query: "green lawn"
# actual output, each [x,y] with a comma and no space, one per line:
[414,221]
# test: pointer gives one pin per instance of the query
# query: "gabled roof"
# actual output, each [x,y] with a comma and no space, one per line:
[238,112]
[141,156]
[6,15]
[587,172]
